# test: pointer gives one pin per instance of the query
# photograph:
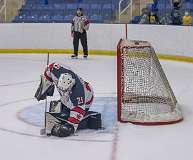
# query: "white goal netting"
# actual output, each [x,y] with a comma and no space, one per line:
[144,93]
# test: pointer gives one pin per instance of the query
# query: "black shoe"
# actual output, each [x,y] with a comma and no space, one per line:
[74,56]
[85,56]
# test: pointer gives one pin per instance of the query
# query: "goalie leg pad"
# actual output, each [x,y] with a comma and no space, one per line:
[51,121]
[55,106]
[95,121]
[92,120]
[56,124]
[83,124]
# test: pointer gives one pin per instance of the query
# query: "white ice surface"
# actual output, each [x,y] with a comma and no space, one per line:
[21,141]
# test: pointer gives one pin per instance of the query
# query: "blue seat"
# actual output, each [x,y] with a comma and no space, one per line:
[35,2]
[29,11]
[188,6]
[27,6]
[18,19]
[85,7]
[107,11]
[57,18]
[44,19]
[31,19]
[45,14]
[107,15]
[95,6]
[60,6]
[68,18]
[135,20]
[72,6]
[108,6]
[47,7]
[96,18]
[26,19]
[60,10]
[95,9]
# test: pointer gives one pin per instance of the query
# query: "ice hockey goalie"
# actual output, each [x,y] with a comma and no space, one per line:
[71,111]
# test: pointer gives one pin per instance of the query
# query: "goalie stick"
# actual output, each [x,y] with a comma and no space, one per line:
[43,130]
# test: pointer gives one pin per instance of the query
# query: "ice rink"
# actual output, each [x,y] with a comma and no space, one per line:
[21,116]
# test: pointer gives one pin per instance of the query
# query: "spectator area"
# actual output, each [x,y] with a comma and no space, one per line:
[60,11]
[98,11]
[165,8]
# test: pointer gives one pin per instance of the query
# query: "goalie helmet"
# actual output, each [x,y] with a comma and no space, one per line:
[65,82]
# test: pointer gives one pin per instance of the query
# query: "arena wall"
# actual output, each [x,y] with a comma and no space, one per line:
[102,38]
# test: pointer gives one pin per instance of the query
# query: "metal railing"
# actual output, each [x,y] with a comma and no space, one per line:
[3,9]
[122,9]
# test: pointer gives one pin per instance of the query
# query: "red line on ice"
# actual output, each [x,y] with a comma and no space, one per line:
[115,144]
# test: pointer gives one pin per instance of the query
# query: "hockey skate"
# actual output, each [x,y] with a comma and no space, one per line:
[74,56]
[85,56]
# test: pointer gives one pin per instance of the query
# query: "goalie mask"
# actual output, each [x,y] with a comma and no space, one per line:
[65,82]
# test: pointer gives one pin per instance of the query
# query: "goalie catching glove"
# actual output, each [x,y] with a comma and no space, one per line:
[45,88]
[62,130]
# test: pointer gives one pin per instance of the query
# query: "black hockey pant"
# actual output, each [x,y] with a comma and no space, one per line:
[83,40]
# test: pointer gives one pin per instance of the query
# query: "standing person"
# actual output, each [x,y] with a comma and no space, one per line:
[187,19]
[80,25]
[145,16]
[176,17]
[153,18]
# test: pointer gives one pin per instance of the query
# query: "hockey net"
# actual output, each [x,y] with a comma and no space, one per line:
[144,93]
